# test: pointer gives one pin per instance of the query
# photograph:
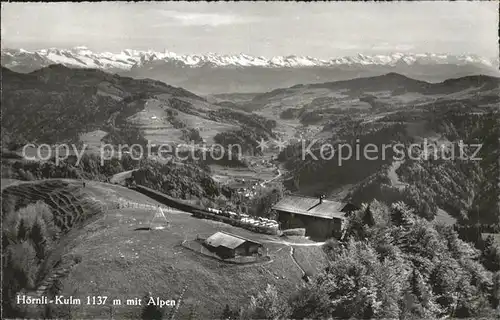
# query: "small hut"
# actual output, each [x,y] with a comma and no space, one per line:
[227,245]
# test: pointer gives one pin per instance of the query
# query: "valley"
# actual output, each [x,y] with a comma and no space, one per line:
[250,160]
[140,261]
[390,108]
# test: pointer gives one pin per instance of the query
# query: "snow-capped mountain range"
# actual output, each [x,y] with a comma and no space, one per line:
[216,73]
[82,57]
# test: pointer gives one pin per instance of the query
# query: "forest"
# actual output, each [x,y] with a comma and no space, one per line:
[393,264]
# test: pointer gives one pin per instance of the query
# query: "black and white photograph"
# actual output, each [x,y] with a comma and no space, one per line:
[250,160]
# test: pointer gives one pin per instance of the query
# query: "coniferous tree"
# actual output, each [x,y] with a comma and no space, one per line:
[38,238]
[416,286]
[22,230]
[490,256]
[267,305]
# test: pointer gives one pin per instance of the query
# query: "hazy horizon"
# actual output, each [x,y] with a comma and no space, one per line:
[320,30]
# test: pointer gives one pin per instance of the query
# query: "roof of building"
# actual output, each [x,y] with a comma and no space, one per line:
[227,240]
[310,206]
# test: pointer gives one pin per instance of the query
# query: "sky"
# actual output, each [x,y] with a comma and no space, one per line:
[321,30]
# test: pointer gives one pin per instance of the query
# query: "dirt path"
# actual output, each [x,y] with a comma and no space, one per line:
[276,177]
[292,252]
[286,243]
[292,255]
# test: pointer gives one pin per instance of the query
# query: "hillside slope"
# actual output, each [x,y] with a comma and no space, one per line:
[118,261]
[388,111]
[59,104]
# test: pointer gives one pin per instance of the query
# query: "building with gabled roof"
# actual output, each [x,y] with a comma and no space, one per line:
[321,218]
[228,245]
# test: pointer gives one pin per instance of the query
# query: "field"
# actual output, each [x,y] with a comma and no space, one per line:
[93,139]
[121,262]
[444,217]
[227,175]
[153,119]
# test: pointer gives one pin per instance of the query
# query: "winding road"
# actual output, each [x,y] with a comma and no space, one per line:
[120,177]
[393,176]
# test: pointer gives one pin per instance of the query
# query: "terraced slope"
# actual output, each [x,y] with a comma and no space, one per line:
[72,208]
[39,219]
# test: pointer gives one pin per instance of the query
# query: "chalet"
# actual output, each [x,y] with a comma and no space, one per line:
[227,245]
[321,218]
